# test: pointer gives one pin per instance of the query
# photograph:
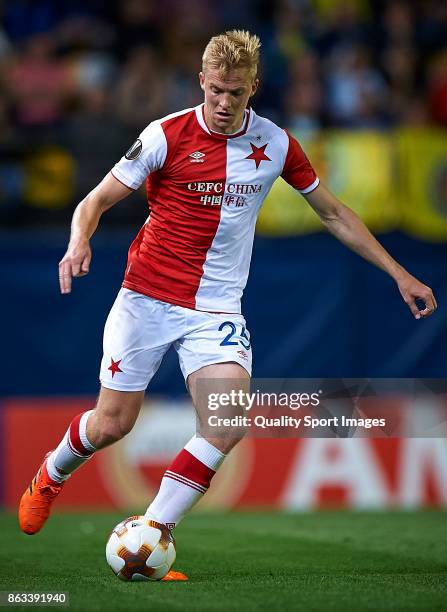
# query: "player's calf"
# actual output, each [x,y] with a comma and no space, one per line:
[88,432]
[114,416]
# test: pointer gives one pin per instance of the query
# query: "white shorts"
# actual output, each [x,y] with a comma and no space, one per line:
[139,330]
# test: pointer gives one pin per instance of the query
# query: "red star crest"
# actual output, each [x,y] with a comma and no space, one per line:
[258,154]
[114,367]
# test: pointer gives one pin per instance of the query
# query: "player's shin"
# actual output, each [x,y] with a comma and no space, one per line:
[73,451]
[185,481]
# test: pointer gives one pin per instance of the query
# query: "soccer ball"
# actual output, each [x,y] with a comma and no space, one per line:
[140,549]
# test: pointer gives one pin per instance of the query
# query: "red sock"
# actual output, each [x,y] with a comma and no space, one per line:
[73,451]
[185,481]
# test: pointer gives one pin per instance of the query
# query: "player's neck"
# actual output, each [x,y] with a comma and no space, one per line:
[230,131]
[233,131]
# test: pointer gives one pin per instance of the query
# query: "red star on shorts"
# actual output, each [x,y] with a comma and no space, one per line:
[114,367]
[258,154]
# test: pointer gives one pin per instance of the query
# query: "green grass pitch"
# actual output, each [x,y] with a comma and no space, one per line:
[244,561]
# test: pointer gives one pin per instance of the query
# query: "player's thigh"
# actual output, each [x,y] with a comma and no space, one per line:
[218,377]
[208,386]
[213,338]
[137,334]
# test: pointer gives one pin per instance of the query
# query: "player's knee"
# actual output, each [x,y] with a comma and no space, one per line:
[108,433]
[114,417]
[111,429]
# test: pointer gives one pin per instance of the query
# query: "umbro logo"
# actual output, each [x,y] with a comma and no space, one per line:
[197,157]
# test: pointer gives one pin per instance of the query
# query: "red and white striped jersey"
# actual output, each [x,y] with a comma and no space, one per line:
[204,191]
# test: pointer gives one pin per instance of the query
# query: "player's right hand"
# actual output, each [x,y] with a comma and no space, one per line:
[75,263]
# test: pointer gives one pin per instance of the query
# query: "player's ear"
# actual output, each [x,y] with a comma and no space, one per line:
[202,80]
[254,87]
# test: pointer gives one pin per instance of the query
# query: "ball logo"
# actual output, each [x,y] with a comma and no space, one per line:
[135,150]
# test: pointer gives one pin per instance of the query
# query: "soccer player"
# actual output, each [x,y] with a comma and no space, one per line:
[207,170]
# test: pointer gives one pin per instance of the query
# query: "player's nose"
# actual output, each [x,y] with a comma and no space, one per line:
[225,102]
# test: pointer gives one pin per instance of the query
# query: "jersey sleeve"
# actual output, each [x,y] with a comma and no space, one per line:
[147,154]
[298,170]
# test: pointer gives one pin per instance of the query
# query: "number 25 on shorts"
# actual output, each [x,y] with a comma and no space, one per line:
[243,339]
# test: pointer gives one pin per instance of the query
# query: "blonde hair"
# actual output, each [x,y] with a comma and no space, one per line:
[231,50]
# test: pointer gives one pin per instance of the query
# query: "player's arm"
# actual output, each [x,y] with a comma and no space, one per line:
[345,225]
[76,260]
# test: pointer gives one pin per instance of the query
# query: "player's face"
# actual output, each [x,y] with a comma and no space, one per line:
[226,98]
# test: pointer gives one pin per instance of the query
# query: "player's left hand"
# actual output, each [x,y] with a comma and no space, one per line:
[411,290]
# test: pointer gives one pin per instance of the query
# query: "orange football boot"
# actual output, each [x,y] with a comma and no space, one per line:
[35,505]
[172,575]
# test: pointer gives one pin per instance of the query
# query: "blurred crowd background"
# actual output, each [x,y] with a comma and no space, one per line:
[79,79]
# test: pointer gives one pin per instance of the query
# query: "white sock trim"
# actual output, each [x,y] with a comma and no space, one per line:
[205,452]
[185,481]
[83,431]
[53,472]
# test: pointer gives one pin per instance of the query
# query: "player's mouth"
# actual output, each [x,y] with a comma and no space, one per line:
[224,115]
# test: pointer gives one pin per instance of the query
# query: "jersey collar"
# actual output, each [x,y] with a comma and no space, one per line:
[200,114]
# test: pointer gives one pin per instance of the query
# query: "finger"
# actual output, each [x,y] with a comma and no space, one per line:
[75,267]
[426,312]
[430,302]
[85,266]
[83,269]
[65,277]
[413,307]
[430,305]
